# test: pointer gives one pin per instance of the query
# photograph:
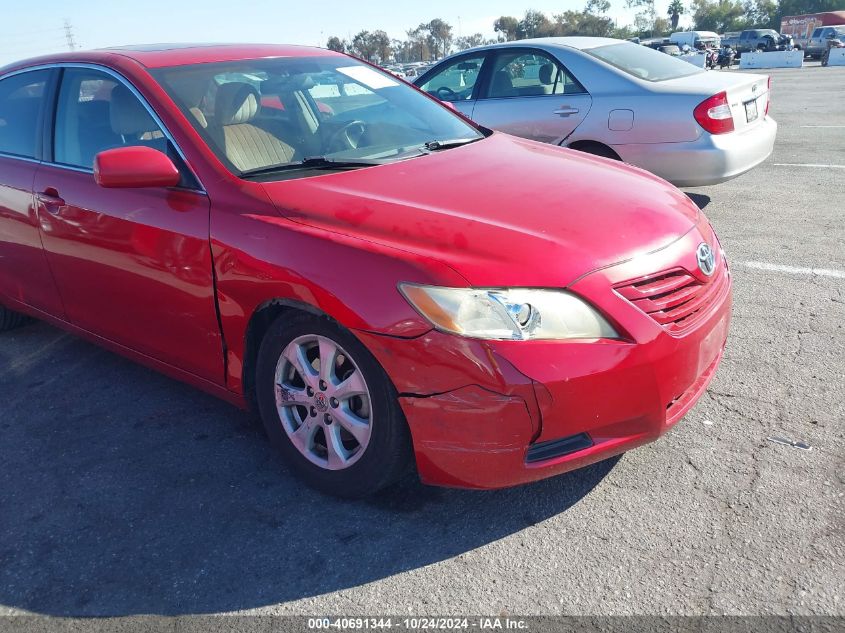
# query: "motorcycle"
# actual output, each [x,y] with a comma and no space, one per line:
[712,57]
[726,57]
[831,44]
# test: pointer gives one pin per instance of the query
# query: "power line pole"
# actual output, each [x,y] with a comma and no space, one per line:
[71,42]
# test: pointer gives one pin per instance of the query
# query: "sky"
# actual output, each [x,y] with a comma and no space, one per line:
[36,27]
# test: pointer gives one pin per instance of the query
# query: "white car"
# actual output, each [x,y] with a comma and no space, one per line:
[616,99]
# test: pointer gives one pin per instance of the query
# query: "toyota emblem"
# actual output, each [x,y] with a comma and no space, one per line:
[706,259]
[321,402]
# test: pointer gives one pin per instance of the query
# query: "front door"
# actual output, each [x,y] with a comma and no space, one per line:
[456,82]
[530,94]
[132,265]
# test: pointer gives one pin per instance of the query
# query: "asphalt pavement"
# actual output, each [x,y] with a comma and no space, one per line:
[123,492]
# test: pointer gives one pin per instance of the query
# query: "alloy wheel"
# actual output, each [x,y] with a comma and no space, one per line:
[323,402]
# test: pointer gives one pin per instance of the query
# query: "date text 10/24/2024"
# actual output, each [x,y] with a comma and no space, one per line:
[417,624]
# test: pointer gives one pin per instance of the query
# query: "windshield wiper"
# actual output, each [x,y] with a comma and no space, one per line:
[433,146]
[314,162]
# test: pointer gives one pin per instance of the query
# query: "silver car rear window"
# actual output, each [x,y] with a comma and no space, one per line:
[643,62]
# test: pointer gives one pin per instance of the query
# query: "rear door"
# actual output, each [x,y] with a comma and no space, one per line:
[529,93]
[24,273]
[132,265]
[456,81]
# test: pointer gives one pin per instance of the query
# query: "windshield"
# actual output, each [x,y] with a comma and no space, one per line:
[300,114]
[643,62]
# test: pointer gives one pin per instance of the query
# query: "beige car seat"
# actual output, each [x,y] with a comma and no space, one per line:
[246,145]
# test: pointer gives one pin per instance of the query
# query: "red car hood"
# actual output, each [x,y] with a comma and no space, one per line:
[502,211]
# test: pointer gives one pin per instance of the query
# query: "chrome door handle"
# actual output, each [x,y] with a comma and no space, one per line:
[566,111]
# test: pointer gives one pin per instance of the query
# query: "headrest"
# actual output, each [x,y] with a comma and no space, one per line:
[199,116]
[547,74]
[236,102]
[502,82]
[127,114]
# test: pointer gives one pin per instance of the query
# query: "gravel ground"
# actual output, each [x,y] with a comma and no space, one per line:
[123,492]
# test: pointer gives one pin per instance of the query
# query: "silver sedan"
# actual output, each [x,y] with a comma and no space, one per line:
[616,99]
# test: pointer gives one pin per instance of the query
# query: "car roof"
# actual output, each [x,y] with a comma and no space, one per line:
[161,55]
[578,42]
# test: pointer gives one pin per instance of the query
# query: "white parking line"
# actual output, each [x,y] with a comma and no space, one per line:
[795,270]
[817,165]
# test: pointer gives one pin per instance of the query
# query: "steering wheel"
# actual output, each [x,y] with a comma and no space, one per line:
[445,92]
[349,135]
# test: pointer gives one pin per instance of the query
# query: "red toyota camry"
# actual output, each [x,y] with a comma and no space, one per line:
[388,283]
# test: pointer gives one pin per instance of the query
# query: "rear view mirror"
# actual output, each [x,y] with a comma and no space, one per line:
[125,167]
[467,66]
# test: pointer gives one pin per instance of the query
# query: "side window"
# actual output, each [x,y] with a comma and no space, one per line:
[21,97]
[456,81]
[521,74]
[95,113]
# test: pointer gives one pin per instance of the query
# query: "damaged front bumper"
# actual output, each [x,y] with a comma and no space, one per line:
[492,414]
[494,433]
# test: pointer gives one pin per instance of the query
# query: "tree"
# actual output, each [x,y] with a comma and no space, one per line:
[644,20]
[583,22]
[403,51]
[420,45]
[534,24]
[764,13]
[380,45]
[661,26]
[507,26]
[469,41]
[441,33]
[597,7]
[336,44]
[622,32]
[719,15]
[676,10]
[363,45]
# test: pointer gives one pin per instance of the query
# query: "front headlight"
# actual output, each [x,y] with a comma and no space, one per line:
[507,313]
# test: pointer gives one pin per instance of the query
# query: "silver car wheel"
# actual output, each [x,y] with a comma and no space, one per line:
[323,402]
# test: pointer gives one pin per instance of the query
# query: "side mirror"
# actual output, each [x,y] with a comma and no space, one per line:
[125,167]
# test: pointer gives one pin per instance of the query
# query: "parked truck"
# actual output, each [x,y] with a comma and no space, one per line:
[731,39]
[752,40]
[801,27]
[820,40]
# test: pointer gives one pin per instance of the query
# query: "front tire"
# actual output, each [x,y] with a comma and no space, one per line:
[10,320]
[329,407]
